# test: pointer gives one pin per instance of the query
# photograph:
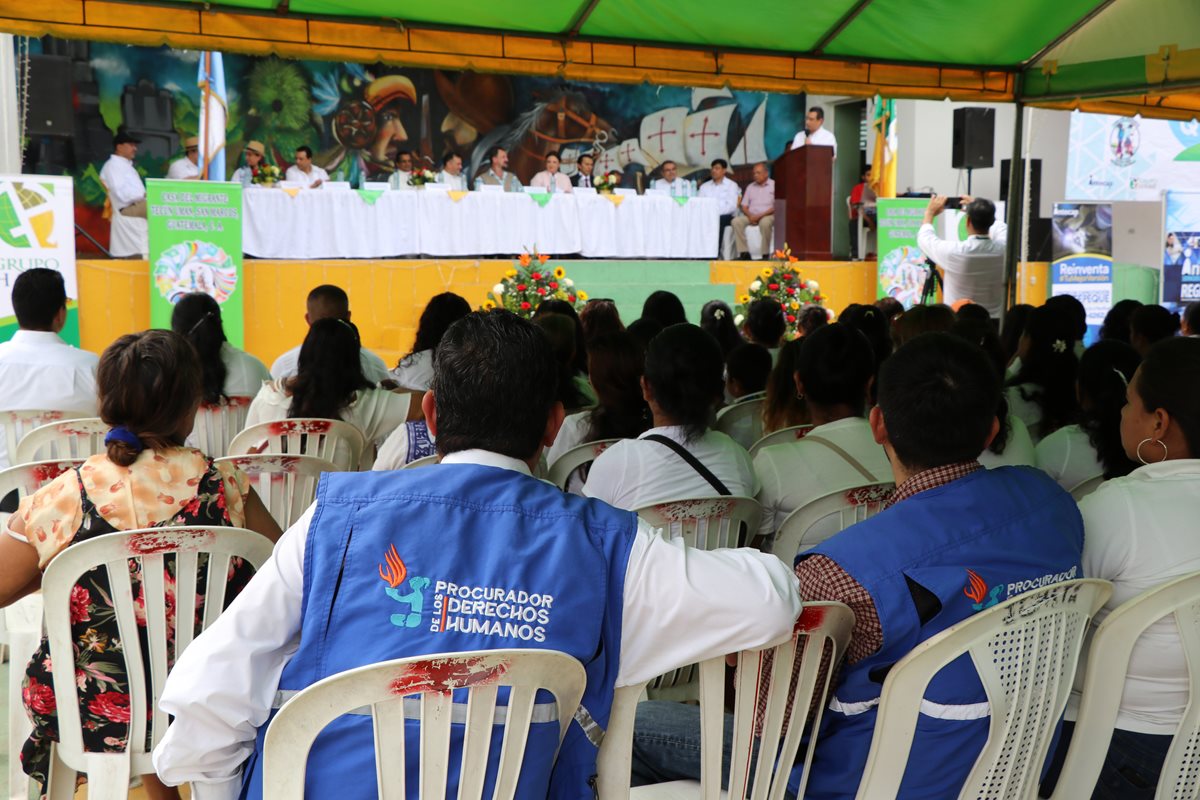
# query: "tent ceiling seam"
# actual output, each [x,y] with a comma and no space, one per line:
[840,26]
[1070,31]
[581,17]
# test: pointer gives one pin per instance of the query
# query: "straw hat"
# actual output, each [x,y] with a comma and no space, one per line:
[191,142]
[256,147]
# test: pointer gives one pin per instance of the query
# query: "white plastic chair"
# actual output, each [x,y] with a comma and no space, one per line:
[742,421]
[820,636]
[18,423]
[563,466]
[796,532]
[374,688]
[109,773]
[287,485]
[1104,682]
[424,461]
[330,439]
[782,436]
[217,424]
[73,439]
[1082,490]
[1025,651]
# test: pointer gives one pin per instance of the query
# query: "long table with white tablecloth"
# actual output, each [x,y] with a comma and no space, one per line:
[307,224]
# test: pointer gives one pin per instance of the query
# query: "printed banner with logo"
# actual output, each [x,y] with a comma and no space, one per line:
[902,269]
[1181,253]
[37,229]
[196,246]
[1127,158]
[1082,264]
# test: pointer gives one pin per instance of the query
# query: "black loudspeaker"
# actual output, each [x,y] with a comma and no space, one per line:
[974,138]
[51,112]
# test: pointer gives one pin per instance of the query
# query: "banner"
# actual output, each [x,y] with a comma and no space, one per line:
[1082,264]
[196,246]
[37,229]
[1181,253]
[1128,158]
[902,269]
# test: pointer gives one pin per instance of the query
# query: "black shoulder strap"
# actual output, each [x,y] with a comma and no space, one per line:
[682,452]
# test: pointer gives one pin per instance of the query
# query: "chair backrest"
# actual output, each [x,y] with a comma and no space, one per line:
[706,522]
[796,532]
[742,420]
[330,439]
[1082,490]
[217,424]
[782,436]
[383,688]
[117,553]
[573,459]
[1104,683]
[424,461]
[67,439]
[1025,651]
[18,423]
[25,479]
[287,485]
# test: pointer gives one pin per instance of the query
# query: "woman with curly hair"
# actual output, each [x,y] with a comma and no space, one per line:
[1042,393]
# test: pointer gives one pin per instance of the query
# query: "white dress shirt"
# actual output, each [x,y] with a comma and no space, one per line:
[39,371]
[680,187]
[634,473]
[561,182]
[1028,411]
[725,193]
[1067,456]
[243,175]
[820,136]
[124,184]
[182,170]
[288,365]
[415,371]
[223,686]
[457,183]
[399,179]
[306,179]
[974,269]
[244,374]
[1018,450]
[1140,532]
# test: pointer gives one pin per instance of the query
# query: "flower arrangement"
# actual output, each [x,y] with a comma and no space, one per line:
[267,175]
[522,289]
[420,177]
[781,281]
[605,184]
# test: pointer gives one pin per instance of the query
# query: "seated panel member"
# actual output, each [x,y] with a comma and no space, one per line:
[497,173]
[187,168]
[725,191]
[452,172]
[253,152]
[672,184]
[584,168]
[304,171]
[404,167]
[758,209]
[550,177]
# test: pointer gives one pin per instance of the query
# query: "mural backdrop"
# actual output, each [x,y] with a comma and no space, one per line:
[356,117]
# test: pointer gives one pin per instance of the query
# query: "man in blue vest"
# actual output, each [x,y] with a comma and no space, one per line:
[471,554]
[956,539]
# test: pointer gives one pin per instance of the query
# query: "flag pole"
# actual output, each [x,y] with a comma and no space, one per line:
[204,98]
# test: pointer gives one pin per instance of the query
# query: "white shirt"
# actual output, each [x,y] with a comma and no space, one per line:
[457,183]
[39,371]
[796,473]
[1067,456]
[393,453]
[974,269]
[399,179]
[306,179]
[1140,532]
[183,170]
[574,432]
[1018,450]
[223,687]
[415,371]
[288,365]
[244,374]
[1028,411]
[634,473]
[819,137]
[725,193]
[124,184]
[680,187]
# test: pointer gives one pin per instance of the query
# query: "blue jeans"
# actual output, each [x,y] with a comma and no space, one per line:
[1130,770]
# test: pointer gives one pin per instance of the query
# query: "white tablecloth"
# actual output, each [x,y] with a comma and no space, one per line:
[342,224]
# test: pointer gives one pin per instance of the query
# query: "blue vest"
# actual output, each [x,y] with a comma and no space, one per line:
[457,557]
[972,543]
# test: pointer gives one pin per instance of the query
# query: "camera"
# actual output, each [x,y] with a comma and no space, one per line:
[954,202]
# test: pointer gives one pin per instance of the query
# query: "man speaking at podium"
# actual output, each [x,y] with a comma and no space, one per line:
[974,269]
[814,131]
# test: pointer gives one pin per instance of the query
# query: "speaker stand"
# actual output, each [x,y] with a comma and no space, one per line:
[969,182]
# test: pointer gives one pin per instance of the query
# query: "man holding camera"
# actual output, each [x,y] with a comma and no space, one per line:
[974,269]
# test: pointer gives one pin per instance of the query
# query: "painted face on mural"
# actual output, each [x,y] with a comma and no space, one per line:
[391,133]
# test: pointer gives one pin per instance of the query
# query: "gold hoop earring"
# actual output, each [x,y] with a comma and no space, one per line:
[1142,458]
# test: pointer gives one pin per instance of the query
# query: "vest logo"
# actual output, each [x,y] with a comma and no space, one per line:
[415,598]
[977,590]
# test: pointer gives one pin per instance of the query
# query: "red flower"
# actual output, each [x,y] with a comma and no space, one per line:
[80,598]
[525,306]
[791,290]
[553,284]
[521,287]
[38,697]
[787,277]
[791,317]
[113,706]
[774,287]
[571,298]
[541,291]
[537,276]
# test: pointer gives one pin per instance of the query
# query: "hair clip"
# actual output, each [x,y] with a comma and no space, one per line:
[1060,346]
[1121,375]
[719,313]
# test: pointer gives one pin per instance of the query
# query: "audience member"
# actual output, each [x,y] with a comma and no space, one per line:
[599,317]
[568,310]
[328,302]
[1074,454]
[725,191]
[644,330]
[627,603]
[936,555]
[890,306]
[664,308]
[834,368]
[872,323]
[972,269]
[682,384]
[810,318]
[1116,321]
[717,319]
[408,443]
[227,371]
[973,311]
[1149,325]
[936,318]
[150,387]
[304,172]
[765,324]
[1070,307]
[38,370]
[1012,445]
[784,407]
[415,370]
[1012,330]
[1042,393]
[747,368]
[1190,324]
[560,331]
[550,178]
[330,384]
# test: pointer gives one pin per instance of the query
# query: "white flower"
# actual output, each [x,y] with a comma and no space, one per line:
[812,285]
[755,286]
[739,319]
[1060,346]
[498,289]
[567,282]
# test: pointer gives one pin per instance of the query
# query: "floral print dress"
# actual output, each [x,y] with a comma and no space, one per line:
[99,655]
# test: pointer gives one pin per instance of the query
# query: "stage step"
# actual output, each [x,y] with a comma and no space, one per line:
[629,283]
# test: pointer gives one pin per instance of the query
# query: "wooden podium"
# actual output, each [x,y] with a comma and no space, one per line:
[803,202]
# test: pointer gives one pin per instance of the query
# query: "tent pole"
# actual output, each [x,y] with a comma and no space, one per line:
[1015,201]
[10,133]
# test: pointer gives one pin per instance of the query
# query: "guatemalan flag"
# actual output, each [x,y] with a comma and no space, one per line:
[211,80]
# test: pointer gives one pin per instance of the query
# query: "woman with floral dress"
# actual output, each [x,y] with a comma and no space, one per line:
[149,388]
